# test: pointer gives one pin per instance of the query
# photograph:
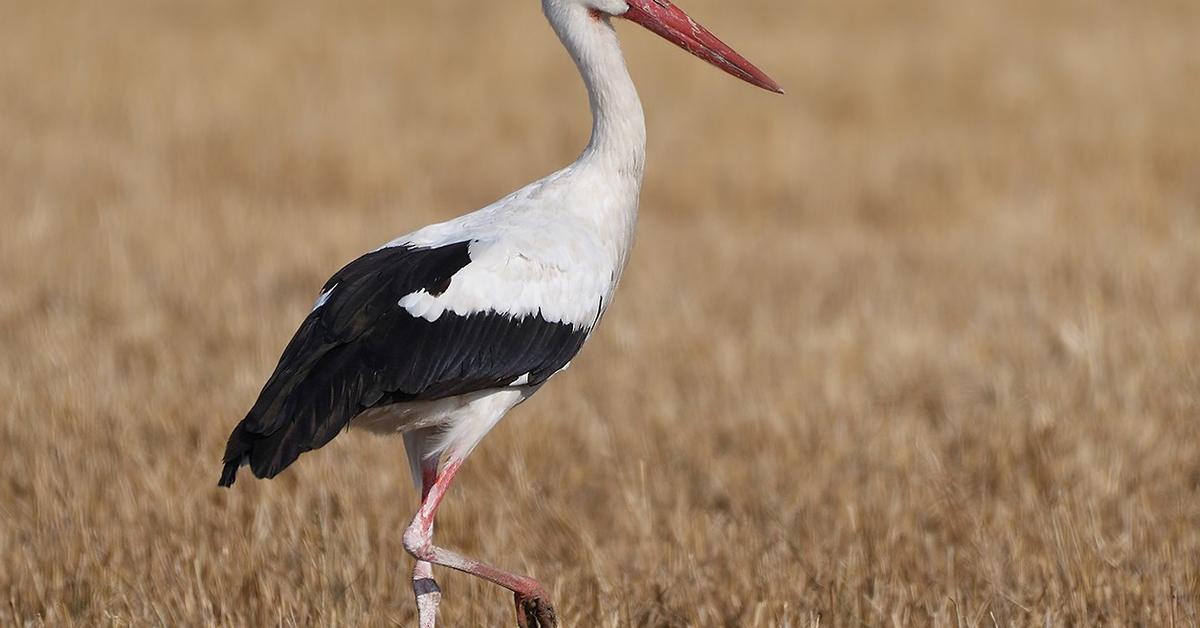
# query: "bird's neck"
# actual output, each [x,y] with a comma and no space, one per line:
[618,142]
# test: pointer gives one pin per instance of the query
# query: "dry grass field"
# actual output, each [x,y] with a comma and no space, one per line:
[917,344]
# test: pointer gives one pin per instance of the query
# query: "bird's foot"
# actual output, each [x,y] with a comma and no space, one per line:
[429,595]
[533,611]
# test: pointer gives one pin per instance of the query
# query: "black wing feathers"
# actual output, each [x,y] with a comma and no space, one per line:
[361,350]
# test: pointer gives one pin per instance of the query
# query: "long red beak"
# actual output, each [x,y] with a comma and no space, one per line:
[672,24]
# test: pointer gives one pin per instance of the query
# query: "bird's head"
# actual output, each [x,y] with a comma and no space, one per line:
[668,21]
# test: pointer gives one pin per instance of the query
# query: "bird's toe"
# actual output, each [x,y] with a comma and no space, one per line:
[535,612]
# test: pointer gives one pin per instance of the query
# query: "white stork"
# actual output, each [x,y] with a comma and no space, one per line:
[439,333]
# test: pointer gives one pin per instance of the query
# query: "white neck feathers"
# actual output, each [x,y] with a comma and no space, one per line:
[618,141]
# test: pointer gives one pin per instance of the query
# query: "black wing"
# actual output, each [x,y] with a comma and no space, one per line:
[361,350]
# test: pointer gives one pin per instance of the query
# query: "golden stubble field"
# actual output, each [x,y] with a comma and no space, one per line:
[918,344]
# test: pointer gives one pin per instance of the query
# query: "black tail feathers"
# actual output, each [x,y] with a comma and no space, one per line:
[237,453]
[229,474]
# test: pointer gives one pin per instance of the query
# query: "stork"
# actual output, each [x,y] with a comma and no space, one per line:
[439,333]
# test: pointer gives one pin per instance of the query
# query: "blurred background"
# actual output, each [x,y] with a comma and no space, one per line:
[915,344]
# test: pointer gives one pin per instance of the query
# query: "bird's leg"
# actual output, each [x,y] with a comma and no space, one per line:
[425,588]
[533,609]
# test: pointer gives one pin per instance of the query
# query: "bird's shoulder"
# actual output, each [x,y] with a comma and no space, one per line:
[529,236]
[519,275]
[515,272]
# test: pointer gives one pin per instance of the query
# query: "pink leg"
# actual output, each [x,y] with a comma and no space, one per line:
[425,588]
[533,611]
